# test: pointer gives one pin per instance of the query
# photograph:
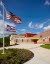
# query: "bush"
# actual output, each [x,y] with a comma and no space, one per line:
[16,56]
[1,42]
[6,40]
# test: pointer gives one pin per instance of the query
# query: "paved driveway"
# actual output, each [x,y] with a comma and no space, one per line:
[41,55]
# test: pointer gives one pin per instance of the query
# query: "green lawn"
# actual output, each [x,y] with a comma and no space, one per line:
[15,56]
[47,46]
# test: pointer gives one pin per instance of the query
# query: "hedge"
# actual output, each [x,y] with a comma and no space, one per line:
[6,40]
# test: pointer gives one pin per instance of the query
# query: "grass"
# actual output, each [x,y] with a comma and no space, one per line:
[47,46]
[15,56]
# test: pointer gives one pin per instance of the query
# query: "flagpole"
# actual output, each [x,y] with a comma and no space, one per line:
[3,30]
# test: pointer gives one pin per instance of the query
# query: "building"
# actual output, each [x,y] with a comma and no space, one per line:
[22,38]
[29,35]
[42,38]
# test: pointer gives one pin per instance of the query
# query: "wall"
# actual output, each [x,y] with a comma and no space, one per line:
[43,37]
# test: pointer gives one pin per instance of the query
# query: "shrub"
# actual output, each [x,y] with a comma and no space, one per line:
[16,56]
[6,40]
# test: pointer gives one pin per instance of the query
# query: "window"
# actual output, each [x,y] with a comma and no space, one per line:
[22,40]
[40,36]
[16,40]
[43,39]
[49,39]
[27,40]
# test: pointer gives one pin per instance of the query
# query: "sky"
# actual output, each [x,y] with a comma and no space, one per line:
[35,15]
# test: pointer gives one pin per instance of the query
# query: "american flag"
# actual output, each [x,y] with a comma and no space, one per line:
[13,17]
[11,28]
[8,16]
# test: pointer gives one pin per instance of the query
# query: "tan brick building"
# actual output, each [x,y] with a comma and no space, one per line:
[42,38]
[18,39]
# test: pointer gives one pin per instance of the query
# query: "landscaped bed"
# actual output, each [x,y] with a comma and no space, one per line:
[47,46]
[15,56]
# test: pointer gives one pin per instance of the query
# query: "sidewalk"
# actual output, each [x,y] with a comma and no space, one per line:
[23,46]
[41,55]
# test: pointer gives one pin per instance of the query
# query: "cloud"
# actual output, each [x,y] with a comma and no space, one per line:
[1,24]
[11,24]
[41,25]
[30,25]
[37,32]
[23,30]
[5,23]
[28,31]
[47,27]
[0,14]
[35,26]
[47,2]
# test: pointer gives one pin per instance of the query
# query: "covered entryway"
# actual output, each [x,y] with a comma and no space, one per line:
[34,40]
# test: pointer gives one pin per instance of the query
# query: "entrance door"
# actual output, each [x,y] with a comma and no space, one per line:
[35,41]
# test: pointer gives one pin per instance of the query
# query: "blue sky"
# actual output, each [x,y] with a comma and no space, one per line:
[35,15]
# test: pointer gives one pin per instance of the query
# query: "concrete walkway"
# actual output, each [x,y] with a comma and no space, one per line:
[41,55]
